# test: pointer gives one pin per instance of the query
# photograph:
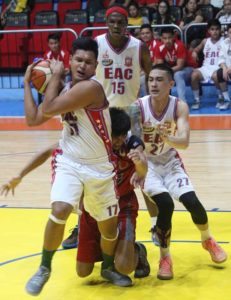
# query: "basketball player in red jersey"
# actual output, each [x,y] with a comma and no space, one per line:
[132,168]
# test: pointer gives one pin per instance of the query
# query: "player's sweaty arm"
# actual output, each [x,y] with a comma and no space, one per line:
[34,163]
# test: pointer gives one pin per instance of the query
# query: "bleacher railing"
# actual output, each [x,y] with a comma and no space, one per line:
[105,28]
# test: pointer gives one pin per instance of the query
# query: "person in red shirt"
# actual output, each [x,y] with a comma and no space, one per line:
[183,77]
[146,36]
[56,52]
[173,53]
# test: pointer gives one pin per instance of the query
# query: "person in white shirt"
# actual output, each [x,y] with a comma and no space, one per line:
[224,73]
[211,47]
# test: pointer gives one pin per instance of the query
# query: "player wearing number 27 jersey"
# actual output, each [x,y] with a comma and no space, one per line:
[162,158]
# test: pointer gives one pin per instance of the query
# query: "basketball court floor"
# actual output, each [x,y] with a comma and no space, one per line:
[23,217]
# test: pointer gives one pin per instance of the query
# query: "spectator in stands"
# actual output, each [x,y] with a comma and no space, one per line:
[162,16]
[224,16]
[56,52]
[224,73]
[211,47]
[192,14]
[171,52]
[135,19]
[13,6]
[183,77]
[146,36]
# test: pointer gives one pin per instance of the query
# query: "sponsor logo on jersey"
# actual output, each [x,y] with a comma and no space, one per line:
[106,61]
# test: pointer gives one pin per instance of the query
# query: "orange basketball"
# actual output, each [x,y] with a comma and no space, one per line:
[41,75]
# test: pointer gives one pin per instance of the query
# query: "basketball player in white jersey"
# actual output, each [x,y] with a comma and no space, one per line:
[211,47]
[85,162]
[121,59]
[165,128]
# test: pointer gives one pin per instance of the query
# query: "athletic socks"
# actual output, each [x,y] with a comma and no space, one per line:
[205,234]
[47,258]
[196,94]
[226,96]
[108,261]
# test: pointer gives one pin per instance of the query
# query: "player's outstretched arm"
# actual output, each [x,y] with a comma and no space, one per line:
[35,162]
[33,113]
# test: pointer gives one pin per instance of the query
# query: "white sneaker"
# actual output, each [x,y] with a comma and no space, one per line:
[225,105]
[219,103]
[196,105]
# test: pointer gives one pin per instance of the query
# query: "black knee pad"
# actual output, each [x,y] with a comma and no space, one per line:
[196,209]
[220,75]
[165,206]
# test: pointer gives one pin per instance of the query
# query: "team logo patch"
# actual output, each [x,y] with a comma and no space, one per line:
[128,61]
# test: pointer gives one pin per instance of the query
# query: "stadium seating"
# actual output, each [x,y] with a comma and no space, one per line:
[75,19]
[65,5]
[14,46]
[38,40]
[40,5]
[99,20]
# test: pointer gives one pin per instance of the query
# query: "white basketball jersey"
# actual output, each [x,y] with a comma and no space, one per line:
[86,135]
[119,71]
[154,145]
[211,52]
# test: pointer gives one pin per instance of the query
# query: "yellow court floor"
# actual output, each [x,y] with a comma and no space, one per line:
[196,276]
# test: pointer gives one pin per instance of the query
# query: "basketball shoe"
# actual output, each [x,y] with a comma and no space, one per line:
[115,277]
[72,240]
[143,267]
[165,268]
[35,285]
[217,254]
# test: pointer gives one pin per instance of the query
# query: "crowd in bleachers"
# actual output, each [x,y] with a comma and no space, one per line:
[166,44]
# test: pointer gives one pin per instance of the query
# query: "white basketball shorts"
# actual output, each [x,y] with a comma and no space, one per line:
[167,176]
[96,182]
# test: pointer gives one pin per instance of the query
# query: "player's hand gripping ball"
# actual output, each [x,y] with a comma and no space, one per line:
[41,75]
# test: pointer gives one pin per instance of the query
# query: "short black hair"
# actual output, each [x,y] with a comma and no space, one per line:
[166,68]
[229,26]
[146,26]
[54,36]
[167,30]
[120,121]
[85,43]
[214,22]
